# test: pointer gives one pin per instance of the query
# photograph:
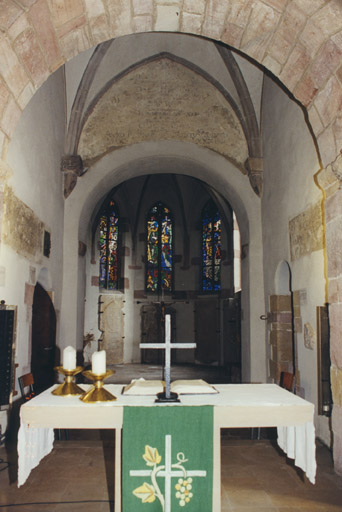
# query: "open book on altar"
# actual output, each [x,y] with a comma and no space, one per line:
[181,387]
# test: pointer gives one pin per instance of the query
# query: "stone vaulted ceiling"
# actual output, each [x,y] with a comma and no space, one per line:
[179,105]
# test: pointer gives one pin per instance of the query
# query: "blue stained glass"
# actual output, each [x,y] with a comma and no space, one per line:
[109,255]
[159,249]
[211,248]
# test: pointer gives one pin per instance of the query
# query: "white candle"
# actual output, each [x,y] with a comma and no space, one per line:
[98,362]
[69,358]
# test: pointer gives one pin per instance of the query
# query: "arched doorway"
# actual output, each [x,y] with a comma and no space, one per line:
[43,339]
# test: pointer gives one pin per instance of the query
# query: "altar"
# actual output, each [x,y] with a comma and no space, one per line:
[234,406]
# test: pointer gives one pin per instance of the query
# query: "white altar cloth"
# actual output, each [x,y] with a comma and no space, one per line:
[236,405]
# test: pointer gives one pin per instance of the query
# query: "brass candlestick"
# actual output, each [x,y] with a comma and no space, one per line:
[69,387]
[97,393]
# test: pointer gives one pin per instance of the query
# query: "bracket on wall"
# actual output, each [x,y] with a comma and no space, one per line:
[255,170]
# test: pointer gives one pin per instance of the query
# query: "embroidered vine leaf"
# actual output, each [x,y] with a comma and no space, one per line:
[151,456]
[145,492]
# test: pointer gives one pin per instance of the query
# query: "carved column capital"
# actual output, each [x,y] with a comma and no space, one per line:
[255,170]
[72,167]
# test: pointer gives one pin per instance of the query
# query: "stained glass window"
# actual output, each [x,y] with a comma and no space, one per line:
[211,248]
[159,249]
[109,237]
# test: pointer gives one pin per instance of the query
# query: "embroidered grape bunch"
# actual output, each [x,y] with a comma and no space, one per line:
[183,488]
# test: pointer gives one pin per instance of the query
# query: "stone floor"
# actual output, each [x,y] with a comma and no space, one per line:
[256,477]
[78,475]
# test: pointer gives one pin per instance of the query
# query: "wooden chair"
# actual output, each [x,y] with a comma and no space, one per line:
[26,381]
[287,381]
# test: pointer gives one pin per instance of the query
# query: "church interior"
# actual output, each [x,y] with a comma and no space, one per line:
[179,158]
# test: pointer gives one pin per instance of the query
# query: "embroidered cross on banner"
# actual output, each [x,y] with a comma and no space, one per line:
[168,346]
[183,488]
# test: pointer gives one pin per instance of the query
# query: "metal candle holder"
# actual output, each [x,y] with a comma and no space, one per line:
[68,387]
[97,393]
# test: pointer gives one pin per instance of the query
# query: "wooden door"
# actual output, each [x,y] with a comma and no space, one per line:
[232,337]
[207,322]
[43,339]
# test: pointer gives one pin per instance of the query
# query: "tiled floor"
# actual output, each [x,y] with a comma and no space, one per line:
[78,477]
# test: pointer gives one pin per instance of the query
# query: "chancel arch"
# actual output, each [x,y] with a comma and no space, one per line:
[273,226]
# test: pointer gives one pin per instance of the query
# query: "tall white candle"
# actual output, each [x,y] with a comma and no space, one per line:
[98,362]
[69,358]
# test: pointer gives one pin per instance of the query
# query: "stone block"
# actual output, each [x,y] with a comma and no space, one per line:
[240,11]
[328,18]
[26,96]
[95,9]
[334,247]
[316,123]
[281,354]
[28,48]
[280,303]
[281,338]
[335,315]
[298,325]
[306,232]
[142,24]
[167,19]
[335,290]
[11,69]
[276,369]
[75,42]
[21,228]
[10,117]
[277,4]
[9,12]
[65,10]
[95,281]
[41,20]
[326,144]
[19,26]
[272,65]
[311,37]
[259,30]
[333,206]
[194,6]
[4,96]
[112,327]
[191,23]
[120,17]
[306,89]
[142,7]
[71,26]
[336,386]
[139,294]
[290,26]
[295,67]
[326,62]
[329,101]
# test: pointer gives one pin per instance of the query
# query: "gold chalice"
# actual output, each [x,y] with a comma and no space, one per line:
[68,387]
[97,393]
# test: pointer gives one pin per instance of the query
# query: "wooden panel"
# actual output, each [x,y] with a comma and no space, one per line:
[7,345]
[323,362]
[207,331]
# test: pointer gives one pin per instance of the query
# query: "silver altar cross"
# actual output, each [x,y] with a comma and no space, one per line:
[168,346]
[170,470]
